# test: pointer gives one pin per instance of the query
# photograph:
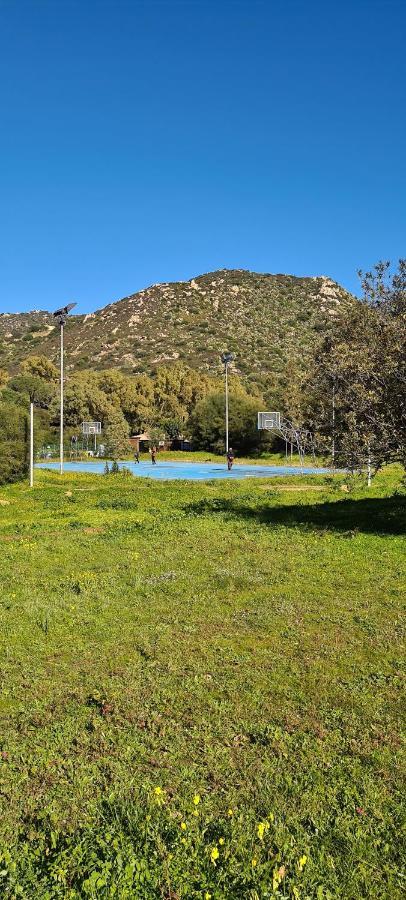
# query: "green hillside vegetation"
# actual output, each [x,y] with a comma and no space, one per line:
[202,692]
[269,321]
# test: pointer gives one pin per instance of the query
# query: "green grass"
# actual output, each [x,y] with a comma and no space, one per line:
[242,643]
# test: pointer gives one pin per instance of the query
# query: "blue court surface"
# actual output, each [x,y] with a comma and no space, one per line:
[191,471]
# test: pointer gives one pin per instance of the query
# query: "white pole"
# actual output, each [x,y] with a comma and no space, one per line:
[61,410]
[31,444]
[226,366]
[369,470]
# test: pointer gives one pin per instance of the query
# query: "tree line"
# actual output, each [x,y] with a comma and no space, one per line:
[175,401]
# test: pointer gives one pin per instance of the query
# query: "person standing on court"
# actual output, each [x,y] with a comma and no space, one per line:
[137,456]
[153,455]
[230,458]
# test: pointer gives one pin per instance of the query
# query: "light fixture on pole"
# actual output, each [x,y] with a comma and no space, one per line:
[226,358]
[61,315]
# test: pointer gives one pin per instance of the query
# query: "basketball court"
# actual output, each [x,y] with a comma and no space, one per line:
[190,471]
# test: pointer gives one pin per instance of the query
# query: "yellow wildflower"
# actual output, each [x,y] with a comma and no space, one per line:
[230,812]
[302,862]
[183,826]
[221,840]
[261,829]
[196,799]
[214,854]
[207,896]
[159,795]
[254,862]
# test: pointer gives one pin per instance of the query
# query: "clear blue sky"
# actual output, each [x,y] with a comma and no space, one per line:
[154,140]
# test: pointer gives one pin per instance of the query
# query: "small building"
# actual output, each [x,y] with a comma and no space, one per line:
[181,443]
[139,441]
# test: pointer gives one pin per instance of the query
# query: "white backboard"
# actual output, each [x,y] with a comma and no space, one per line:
[91,427]
[269,421]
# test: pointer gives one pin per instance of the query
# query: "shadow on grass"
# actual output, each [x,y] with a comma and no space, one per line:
[382,515]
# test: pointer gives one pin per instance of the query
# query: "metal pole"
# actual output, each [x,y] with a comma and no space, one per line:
[61,410]
[369,470]
[333,449]
[226,367]
[31,444]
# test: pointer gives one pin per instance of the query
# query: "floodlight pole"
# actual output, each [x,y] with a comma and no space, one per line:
[31,442]
[62,322]
[333,423]
[226,372]
[62,315]
[226,359]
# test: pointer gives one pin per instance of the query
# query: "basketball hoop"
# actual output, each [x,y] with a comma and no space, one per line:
[269,421]
[91,428]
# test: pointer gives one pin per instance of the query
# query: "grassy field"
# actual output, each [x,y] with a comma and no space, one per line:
[201,688]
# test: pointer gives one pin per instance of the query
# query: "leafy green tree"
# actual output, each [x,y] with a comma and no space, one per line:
[133,395]
[207,423]
[21,390]
[32,388]
[13,442]
[359,377]
[41,367]
[83,401]
[116,435]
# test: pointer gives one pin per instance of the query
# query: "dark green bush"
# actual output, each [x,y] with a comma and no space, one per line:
[13,442]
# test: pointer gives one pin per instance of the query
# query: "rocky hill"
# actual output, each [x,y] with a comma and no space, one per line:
[270,322]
